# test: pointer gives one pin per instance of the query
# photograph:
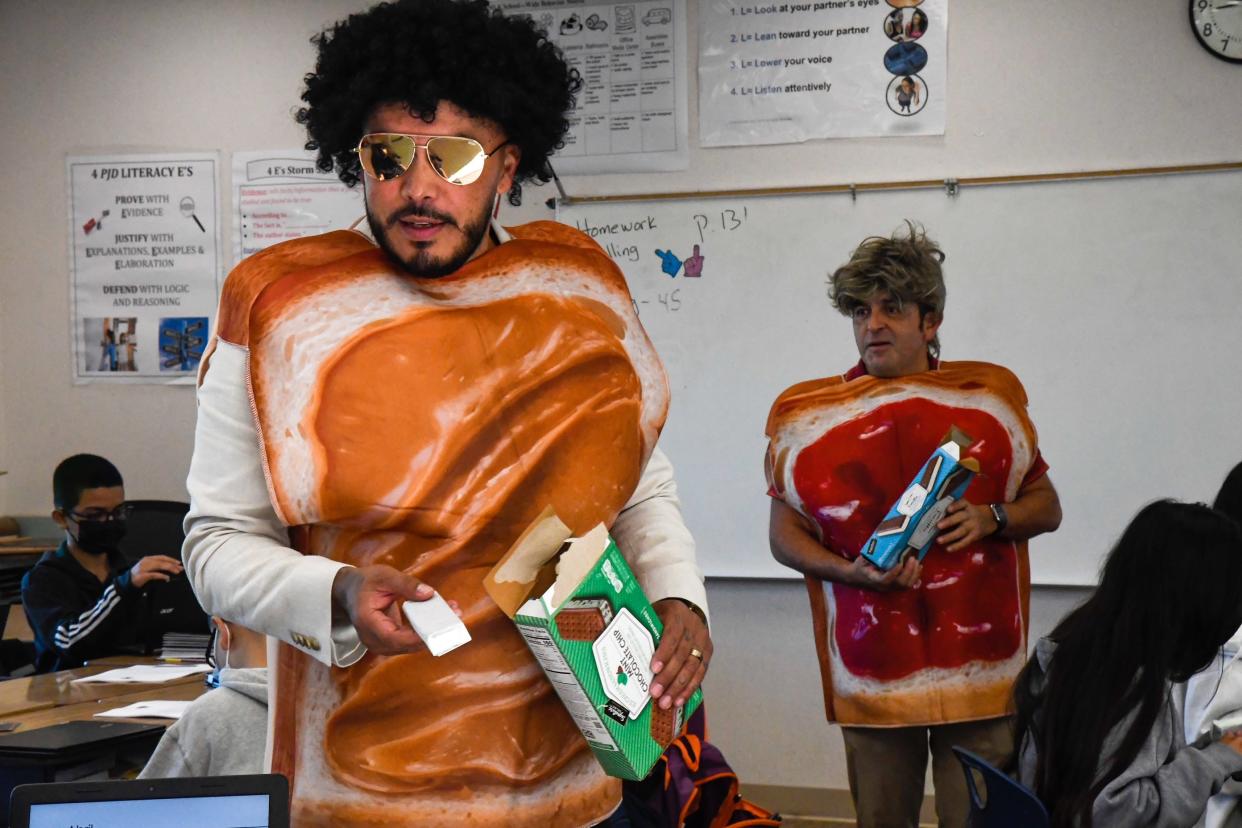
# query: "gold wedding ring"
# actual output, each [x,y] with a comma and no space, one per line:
[695,652]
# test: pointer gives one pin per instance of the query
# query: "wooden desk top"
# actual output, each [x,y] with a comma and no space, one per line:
[53,690]
[33,719]
[27,546]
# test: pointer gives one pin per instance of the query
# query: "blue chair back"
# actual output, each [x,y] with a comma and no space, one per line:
[1004,803]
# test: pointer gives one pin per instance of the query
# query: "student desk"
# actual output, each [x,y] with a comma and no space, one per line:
[23,545]
[169,691]
[52,698]
[56,691]
[17,556]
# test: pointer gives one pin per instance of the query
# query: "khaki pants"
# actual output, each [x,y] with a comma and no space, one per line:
[888,765]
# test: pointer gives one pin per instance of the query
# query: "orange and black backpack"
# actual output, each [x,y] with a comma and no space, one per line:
[692,786]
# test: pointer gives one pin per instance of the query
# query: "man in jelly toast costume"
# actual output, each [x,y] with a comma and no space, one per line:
[384,413]
[922,653]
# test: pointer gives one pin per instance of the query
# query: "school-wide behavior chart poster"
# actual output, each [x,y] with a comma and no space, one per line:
[773,72]
[631,112]
[144,264]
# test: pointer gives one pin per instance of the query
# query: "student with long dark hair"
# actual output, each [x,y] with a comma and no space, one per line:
[1099,737]
[1216,692]
[1229,498]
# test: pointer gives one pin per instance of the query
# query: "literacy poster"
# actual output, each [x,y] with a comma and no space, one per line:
[630,115]
[280,195]
[775,72]
[144,264]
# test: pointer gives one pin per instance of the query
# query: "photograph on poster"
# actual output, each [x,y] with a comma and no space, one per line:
[904,25]
[116,341]
[907,94]
[905,58]
[182,339]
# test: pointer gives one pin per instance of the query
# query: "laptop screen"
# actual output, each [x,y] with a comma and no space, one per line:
[254,801]
[186,812]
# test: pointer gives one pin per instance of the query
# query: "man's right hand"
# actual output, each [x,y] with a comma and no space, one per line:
[372,596]
[154,568]
[863,573]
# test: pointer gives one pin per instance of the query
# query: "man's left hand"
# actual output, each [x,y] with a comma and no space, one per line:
[965,523]
[681,660]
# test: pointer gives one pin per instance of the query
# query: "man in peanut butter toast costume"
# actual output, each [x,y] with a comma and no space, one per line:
[382,413]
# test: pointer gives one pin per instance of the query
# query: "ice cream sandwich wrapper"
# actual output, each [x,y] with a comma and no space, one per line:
[584,616]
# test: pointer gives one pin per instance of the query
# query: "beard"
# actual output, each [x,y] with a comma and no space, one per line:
[423,262]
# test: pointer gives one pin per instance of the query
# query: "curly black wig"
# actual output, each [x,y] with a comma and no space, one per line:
[420,52]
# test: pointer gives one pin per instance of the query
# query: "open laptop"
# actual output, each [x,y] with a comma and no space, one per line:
[260,801]
[172,607]
[68,739]
[155,528]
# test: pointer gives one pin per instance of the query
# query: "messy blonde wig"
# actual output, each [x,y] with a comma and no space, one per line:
[905,265]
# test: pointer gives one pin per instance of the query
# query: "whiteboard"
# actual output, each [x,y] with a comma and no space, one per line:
[1118,303]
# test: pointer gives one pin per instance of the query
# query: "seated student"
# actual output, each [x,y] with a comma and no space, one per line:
[1216,692]
[1229,498]
[1099,736]
[224,732]
[82,600]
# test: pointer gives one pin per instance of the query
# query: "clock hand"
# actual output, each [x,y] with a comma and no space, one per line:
[1228,4]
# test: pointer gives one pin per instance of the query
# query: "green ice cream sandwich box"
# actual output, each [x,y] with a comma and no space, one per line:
[584,616]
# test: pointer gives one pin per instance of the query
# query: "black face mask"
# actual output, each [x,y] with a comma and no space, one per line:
[100,537]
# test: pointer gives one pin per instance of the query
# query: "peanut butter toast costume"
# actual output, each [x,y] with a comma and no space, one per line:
[841,451]
[423,423]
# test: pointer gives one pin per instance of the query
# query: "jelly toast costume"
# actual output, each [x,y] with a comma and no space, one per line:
[841,451]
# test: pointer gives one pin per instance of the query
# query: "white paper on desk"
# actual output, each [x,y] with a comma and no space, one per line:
[144,674]
[147,710]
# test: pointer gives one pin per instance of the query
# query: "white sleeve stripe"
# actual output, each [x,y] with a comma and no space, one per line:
[87,619]
[89,615]
[65,641]
[66,636]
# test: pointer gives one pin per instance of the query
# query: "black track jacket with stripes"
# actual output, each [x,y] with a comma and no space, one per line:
[75,617]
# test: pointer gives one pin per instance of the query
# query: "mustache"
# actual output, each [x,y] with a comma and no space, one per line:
[415,211]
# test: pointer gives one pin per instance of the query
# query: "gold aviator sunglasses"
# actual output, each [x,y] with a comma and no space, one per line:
[458,160]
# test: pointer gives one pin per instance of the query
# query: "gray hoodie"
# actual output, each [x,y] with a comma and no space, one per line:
[224,733]
[1169,782]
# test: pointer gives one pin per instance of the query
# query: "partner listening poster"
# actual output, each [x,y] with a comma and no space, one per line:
[774,72]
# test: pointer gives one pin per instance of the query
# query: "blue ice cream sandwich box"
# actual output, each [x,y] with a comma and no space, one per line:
[909,528]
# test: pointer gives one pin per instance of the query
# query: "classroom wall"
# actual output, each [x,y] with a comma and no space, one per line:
[4,443]
[124,75]
[1061,85]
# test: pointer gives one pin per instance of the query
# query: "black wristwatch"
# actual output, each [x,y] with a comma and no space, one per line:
[1000,515]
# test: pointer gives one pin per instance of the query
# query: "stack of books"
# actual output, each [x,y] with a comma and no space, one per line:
[184,648]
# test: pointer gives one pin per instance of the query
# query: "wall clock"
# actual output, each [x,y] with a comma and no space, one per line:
[1218,27]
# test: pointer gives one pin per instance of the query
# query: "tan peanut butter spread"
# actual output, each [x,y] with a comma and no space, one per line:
[423,424]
